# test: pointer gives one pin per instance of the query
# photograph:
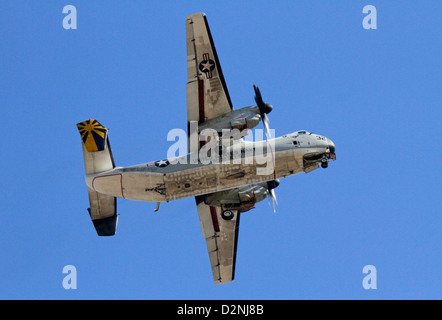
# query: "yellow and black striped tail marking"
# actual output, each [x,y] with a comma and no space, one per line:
[93,135]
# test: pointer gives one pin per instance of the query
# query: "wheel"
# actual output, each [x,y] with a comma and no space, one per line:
[227,215]
[324,164]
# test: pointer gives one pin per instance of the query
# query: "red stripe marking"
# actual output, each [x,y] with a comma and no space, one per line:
[273,159]
[202,115]
[201,100]
[214,219]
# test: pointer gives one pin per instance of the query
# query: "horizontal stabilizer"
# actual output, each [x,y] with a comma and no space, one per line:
[103,212]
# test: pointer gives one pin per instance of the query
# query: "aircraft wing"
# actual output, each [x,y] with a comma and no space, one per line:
[207,95]
[221,239]
[208,98]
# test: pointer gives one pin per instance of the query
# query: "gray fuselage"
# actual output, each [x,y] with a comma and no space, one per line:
[244,163]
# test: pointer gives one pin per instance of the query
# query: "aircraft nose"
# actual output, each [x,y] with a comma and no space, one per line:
[331,146]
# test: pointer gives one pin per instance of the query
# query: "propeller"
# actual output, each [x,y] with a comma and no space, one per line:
[264,109]
[271,185]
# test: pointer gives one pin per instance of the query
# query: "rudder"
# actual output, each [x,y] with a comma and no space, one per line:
[96,148]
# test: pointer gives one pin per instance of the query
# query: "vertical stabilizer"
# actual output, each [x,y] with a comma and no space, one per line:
[98,158]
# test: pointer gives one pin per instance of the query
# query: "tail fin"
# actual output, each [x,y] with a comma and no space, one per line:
[96,149]
[98,158]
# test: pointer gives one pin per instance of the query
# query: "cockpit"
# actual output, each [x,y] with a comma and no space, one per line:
[299,133]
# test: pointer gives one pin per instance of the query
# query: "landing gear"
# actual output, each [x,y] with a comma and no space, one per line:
[227,215]
[324,162]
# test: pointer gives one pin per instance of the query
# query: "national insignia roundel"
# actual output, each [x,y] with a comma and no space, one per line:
[162,163]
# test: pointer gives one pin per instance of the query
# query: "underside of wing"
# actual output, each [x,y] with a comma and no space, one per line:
[207,95]
[221,236]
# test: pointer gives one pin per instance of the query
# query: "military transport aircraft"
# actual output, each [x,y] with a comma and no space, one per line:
[222,190]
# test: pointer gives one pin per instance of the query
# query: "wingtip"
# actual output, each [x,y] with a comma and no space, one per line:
[195,15]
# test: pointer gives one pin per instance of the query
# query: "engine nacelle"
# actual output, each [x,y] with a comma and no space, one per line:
[253,195]
[241,119]
[242,199]
[249,122]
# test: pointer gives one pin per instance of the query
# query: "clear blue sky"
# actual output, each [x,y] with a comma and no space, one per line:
[375,93]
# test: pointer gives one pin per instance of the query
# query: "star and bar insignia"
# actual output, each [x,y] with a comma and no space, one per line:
[207,65]
[162,163]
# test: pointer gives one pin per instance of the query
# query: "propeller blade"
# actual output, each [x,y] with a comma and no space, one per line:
[272,192]
[266,121]
[258,97]
[274,200]
[270,197]
[264,109]
[271,185]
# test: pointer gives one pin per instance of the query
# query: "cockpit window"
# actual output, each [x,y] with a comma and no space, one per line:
[301,132]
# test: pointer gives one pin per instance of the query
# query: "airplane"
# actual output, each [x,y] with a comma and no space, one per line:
[222,190]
